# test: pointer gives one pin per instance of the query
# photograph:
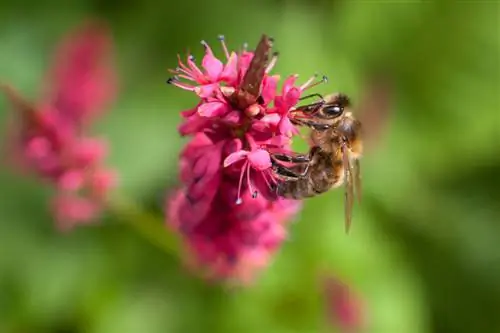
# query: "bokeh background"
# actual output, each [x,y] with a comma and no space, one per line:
[423,253]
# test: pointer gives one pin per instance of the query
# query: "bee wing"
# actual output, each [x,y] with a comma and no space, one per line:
[357,179]
[348,187]
[255,73]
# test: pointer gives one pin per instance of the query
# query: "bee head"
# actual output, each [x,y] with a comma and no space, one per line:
[334,106]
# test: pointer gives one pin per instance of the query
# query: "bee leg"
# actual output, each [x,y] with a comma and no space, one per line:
[300,158]
[310,108]
[311,95]
[314,125]
[284,171]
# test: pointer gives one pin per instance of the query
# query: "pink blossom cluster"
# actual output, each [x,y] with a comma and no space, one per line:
[345,308]
[51,138]
[226,210]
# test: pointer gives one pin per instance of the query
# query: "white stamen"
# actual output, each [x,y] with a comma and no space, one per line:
[224,47]
[272,63]
[309,84]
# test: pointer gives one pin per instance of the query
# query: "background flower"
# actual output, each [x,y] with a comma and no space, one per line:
[49,138]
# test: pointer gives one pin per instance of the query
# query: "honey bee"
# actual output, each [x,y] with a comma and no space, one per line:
[333,159]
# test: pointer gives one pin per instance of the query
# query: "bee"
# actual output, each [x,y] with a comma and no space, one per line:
[333,159]
[248,93]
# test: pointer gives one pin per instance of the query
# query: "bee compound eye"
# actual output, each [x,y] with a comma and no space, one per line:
[334,110]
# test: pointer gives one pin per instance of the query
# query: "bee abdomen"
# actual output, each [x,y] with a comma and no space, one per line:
[297,189]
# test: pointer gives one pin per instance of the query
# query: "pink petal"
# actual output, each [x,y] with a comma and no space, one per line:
[292,97]
[213,66]
[71,180]
[260,159]
[38,147]
[288,84]
[235,157]
[232,146]
[269,88]
[89,151]
[233,118]
[206,90]
[230,72]
[271,119]
[193,124]
[102,181]
[71,210]
[189,112]
[287,128]
[212,109]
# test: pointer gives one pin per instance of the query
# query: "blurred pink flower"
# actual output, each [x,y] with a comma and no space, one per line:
[49,137]
[226,210]
[345,308]
[81,82]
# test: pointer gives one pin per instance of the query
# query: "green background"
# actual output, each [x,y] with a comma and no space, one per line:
[424,249]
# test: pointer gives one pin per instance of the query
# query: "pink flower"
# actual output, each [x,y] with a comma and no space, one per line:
[82,80]
[345,309]
[49,139]
[226,209]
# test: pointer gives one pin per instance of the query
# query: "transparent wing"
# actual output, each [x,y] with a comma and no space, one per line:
[357,179]
[348,187]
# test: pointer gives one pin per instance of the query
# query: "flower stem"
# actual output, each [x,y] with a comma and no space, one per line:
[149,226]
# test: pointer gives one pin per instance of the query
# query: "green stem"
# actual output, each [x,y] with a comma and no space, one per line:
[146,224]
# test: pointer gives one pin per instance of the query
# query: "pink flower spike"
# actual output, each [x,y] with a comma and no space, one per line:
[226,209]
[50,140]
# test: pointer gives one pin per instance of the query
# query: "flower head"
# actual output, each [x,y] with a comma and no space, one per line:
[49,139]
[345,308]
[226,209]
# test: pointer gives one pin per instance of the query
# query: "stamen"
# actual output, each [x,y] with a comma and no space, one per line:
[309,81]
[197,74]
[272,63]
[254,194]
[243,169]
[191,57]
[249,181]
[205,45]
[245,47]
[224,47]
[175,81]
[309,84]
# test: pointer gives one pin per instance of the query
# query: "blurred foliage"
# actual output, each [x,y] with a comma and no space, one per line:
[423,251]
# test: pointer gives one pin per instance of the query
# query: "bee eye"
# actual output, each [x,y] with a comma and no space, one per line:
[334,110]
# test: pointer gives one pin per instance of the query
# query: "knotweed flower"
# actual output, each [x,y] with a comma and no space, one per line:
[345,309]
[226,210]
[50,136]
